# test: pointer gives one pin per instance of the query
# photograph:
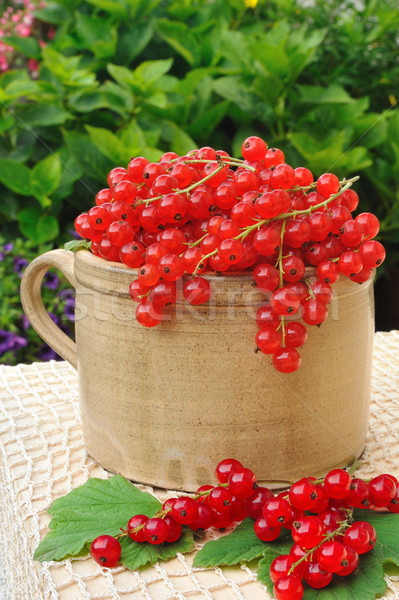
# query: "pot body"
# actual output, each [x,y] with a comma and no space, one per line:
[163,406]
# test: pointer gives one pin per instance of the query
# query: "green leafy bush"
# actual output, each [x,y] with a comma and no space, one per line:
[139,77]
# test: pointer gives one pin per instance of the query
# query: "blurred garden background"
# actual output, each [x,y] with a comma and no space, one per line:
[87,84]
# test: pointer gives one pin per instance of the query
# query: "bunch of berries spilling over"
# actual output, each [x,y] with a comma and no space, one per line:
[318,512]
[187,216]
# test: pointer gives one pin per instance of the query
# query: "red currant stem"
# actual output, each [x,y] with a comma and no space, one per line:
[145,295]
[309,286]
[207,492]
[197,242]
[283,216]
[342,526]
[184,190]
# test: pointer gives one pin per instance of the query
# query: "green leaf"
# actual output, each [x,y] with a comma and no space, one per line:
[37,226]
[136,555]
[238,91]
[46,175]
[333,94]
[151,70]
[114,7]
[75,245]
[203,126]
[15,176]
[180,142]
[367,584]
[96,34]
[93,163]
[28,46]
[179,37]
[100,506]
[52,13]
[241,545]
[43,115]
[133,41]
[109,144]
[387,528]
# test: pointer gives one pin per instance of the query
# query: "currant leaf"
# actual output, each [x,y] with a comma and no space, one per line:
[367,583]
[136,555]
[75,245]
[100,506]
[387,529]
[241,545]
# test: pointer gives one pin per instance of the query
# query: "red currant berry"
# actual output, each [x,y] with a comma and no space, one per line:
[314,312]
[174,529]
[135,528]
[286,360]
[372,254]
[358,495]
[337,483]
[266,532]
[282,564]
[316,576]
[303,494]
[327,271]
[155,530]
[288,587]
[277,511]
[295,334]
[241,482]
[197,291]
[147,314]
[185,510]
[327,185]
[254,503]
[382,490]
[106,550]
[204,518]
[225,468]
[357,537]
[332,556]
[268,339]
[254,148]
[352,559]
[220,499]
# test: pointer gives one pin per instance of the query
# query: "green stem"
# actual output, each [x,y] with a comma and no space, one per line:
[281,273]
[343,525]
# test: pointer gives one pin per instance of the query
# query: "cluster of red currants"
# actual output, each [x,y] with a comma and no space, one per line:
[205,211]
[319,514]
[328,541]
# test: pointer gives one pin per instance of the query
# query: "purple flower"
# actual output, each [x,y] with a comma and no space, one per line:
[10,341]
[46,353]
[19,265]
[54,318]
[8,247]
[25,322]
[1,256]
[68,296]
[74,234]
[51,281]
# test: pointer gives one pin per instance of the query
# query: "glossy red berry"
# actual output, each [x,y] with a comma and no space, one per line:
[327,184]
[282,564]
[106,550]
[357,537]
[303,494]
[264,531]
[332,556]
[184,510]
[220,498]
[372,254]
[295,334]
[382,490]
[197,291]
[288,587]
[352,559]
[241,482]
[174,529]
[155,530]
[286,360]
[277,511]
[254,148]
[316,576]
[225,468]
[308,531]
[147,314]
[254,503]
[337,483]
[135,528]
[268,339]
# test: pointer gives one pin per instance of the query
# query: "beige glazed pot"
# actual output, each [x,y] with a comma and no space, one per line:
[163,406]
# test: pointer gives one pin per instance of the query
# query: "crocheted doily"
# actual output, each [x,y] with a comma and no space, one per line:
[42,457]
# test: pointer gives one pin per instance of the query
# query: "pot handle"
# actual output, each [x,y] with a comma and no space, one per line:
[31,298]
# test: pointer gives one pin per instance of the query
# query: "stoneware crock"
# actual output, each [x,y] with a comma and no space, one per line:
[163,406]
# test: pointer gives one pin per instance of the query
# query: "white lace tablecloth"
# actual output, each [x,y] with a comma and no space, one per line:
[42,457]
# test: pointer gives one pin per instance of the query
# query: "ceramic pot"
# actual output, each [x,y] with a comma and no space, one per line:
[163,406]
